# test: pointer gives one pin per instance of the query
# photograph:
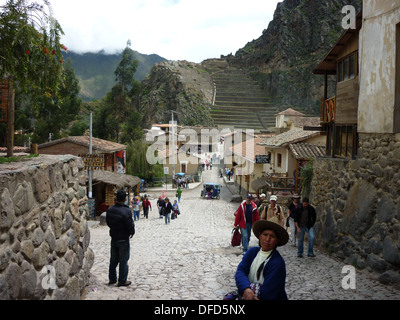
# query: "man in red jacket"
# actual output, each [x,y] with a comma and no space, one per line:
[246,215]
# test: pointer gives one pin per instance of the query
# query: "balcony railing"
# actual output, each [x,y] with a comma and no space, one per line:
[328,108]
[281,182]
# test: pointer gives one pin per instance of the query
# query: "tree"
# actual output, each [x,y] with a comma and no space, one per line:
[30,53]
[137,164]
[125,88]
[54,115]
[115,117]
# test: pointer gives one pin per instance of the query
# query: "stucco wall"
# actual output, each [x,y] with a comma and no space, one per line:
[378,66]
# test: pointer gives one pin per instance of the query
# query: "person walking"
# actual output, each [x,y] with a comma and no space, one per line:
[246,215]
[272,210]
[146,204]
[292,214]
[136,209]
[175,207]
[122,228]
[179,194]
[305,219]
[161,205]
[168,209]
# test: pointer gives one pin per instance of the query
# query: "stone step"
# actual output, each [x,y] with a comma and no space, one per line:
[244,104]
[240,102]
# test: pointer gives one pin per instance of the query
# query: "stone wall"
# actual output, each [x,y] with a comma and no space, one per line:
[358,206]
[44,235]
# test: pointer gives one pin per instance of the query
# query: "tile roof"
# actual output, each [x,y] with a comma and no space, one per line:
[302,122]
[98,144]
[286,138]
[305,151]
[291,112]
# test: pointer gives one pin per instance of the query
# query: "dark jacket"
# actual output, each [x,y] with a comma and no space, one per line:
[274,273]
[168,207]
[119,219]
[312,215]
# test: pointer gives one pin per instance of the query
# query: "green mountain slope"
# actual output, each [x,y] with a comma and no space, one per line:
[95,71]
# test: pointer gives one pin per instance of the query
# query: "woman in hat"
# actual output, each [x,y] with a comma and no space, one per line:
[262,273]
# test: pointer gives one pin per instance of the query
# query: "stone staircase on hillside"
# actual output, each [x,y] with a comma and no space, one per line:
[240,102]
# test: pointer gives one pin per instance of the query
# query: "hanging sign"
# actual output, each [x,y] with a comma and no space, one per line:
[93,161]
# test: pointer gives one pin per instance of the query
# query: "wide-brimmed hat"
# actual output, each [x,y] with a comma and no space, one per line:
[271,224]
[296,196]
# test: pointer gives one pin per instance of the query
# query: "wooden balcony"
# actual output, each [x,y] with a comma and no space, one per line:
[281,182]
[328,110]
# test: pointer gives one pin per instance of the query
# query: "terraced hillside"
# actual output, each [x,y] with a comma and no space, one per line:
[240,102]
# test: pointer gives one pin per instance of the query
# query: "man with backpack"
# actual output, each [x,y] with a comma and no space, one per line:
[273,210]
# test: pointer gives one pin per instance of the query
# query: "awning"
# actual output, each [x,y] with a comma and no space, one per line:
[120,180]
[259,183]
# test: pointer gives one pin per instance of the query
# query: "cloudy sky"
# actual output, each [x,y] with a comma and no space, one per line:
[191,30]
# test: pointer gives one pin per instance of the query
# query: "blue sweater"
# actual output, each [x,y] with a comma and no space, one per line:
[273,287]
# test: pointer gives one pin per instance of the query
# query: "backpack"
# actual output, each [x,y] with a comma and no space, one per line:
[236,237]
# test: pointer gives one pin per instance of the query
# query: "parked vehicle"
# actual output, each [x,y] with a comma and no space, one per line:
[211,191]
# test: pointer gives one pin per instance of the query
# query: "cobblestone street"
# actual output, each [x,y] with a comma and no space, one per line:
[191,258]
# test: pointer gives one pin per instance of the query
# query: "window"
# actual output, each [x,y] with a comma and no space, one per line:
[279,160]
[348,67]
[344,141]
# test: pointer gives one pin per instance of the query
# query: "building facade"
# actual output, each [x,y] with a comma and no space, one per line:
[357,197]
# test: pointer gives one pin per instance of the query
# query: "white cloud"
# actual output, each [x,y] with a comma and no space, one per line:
[191,30]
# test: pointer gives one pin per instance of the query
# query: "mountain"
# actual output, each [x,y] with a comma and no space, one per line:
[181,86]
[281,62]
[296,40]
[95,71]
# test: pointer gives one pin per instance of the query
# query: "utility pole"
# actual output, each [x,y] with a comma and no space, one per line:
[173,144]
[90,172]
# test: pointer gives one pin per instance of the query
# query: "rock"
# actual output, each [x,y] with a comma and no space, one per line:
[61,246]
[40,256]
[23,198]
[13,279]
[29,280]
[42,186]
[389,277]
[103,219]
[7,213]
[385,209]
[27,248]
[4,295]
[5,256]
[359,211]
[62,269]
[390,253]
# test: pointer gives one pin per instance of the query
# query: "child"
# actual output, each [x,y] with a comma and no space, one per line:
[136,208]
[175,206]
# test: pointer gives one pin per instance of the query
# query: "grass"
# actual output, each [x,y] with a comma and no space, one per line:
[16,159]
